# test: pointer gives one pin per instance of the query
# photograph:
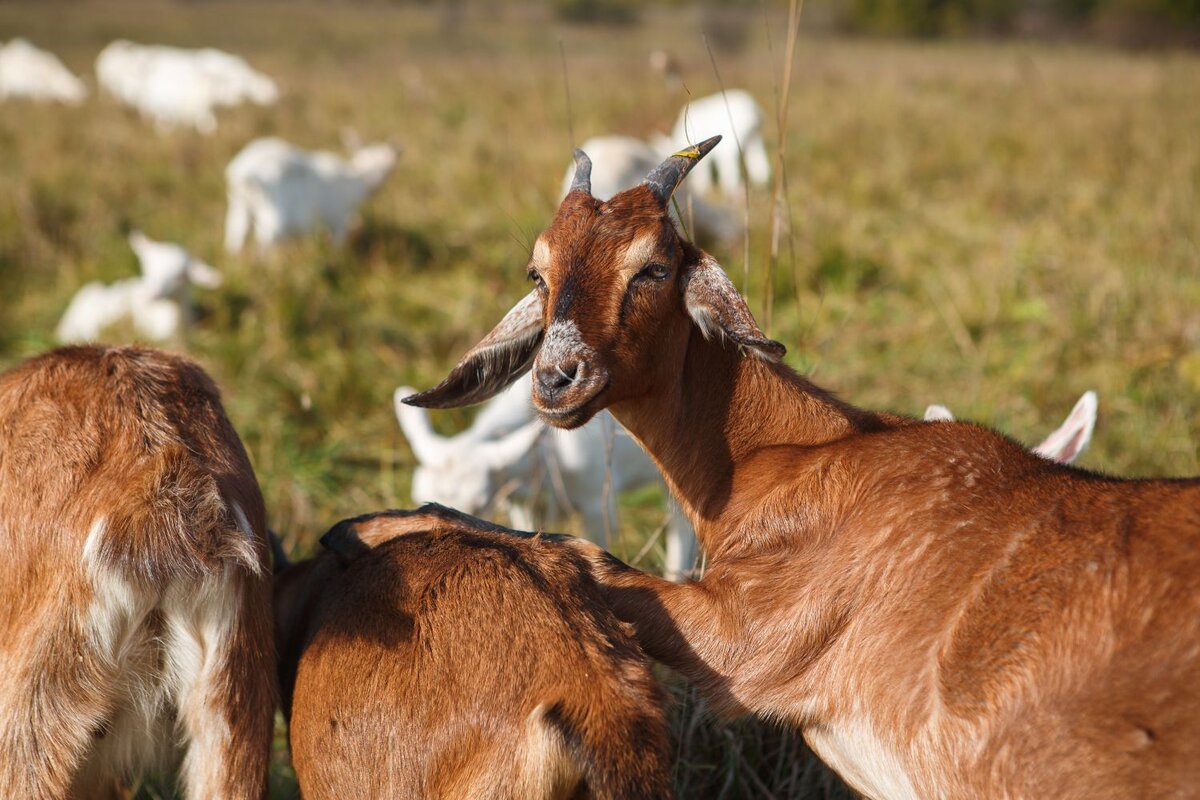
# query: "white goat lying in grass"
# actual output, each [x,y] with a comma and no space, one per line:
[1063,445]
[621,162]
[507,458]
[29,72]
[737,117]
[156,301]
[174,86]
[280,189]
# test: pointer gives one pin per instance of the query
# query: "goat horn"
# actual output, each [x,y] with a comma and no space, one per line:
[664,178]
[582,182]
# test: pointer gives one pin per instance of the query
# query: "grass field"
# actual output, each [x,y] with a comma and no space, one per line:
[997,227]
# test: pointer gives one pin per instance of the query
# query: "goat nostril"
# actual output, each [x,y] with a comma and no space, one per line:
[558,377]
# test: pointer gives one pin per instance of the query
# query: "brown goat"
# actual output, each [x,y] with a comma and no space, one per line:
[430,656]
[942,612]
[134,594]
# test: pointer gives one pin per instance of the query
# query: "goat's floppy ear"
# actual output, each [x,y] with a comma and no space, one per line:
[714,304]
[491,366]
[353,537]
[343,540]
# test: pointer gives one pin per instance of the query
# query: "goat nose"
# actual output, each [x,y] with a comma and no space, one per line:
[558,377]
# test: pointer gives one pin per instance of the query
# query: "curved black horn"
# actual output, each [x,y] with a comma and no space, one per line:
[582,182]
[664,178]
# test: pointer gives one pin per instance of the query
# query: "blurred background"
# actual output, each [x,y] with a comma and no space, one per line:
[990,204]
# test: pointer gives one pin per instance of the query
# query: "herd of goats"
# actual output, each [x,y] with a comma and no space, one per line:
[942,611]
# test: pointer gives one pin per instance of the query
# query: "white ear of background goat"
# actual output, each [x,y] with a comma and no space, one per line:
[531,467]
[622,162]
[157,302]
[1066,442]
[736,116]
[175,86]
[35,74]
[279,190]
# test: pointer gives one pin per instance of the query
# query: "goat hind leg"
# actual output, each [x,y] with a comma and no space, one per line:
[47,726]
[220,655]
[41,762]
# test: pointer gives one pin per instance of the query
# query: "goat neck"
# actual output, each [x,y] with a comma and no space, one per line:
[707,425]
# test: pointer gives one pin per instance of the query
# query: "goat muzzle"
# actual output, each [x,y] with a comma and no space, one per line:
[566,395]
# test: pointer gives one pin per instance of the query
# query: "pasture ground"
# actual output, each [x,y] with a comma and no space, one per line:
[994,226]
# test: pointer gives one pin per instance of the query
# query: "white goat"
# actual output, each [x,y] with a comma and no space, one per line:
[508,458]
[280,189]
[174,86]
[736,116]
[29,72]
[1065,443]
[156,301]
[621,162]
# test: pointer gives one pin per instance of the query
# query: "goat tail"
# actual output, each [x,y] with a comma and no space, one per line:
[620,745]
[173,520]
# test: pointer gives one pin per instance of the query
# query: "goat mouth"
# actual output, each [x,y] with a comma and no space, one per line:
[574,415]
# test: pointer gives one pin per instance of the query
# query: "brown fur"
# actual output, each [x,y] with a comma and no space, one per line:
[433,658]
[134,611]
[943,613]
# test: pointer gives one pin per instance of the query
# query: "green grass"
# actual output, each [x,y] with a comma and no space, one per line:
[997,227]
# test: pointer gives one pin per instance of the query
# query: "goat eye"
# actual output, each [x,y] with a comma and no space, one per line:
[654,271]
[537,279]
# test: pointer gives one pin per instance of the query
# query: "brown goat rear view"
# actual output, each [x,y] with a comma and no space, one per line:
[942,612]
[134,594]
[428,658]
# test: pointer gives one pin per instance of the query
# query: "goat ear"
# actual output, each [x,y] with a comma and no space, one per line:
[935,413]
[1065,444]
[353,537]
[714,304]
[430,449]
[491,366]
[344,541]
[509,450]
